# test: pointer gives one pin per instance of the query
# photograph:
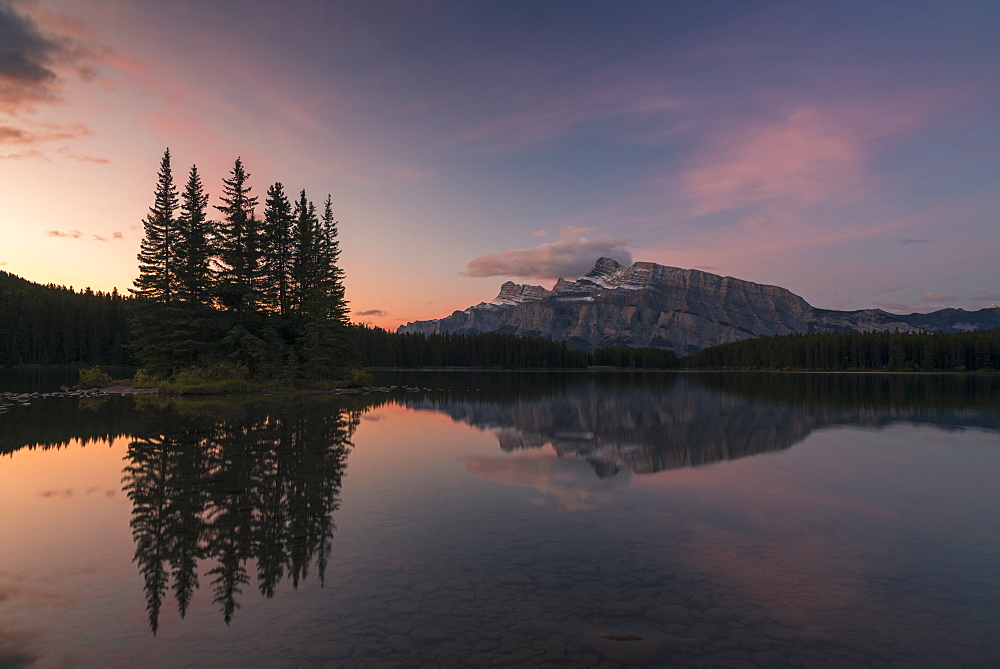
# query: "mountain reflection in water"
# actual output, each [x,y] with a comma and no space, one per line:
[645,424]
[224,492]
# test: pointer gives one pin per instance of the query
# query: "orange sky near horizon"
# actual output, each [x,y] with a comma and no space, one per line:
[846,152]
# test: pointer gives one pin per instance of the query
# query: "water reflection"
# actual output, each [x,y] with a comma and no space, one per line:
[244,488]
[646,423]
[231,496]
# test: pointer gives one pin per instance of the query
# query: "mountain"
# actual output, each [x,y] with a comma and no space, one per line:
[685,310]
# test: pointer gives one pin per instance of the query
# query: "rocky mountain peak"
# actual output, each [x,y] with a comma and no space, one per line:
[604,269]
[516,293]
[647,304]
[561,284]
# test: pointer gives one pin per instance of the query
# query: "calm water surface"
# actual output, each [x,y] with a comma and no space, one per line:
[583,519]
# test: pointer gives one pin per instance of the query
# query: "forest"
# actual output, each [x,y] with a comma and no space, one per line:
[380,348]
[847,351]
[46,325]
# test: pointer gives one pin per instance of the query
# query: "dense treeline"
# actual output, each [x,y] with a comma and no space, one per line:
[57,325]
[892,351]
[380,348]
[636,358]
[262,297]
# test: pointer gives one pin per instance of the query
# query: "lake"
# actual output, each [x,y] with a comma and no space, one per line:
[509,518]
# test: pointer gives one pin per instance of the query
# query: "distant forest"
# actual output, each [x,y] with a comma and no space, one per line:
[380,348]
[48,324]
[45,325]
[846,351]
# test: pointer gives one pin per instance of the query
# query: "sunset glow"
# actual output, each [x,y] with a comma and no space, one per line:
[845,151]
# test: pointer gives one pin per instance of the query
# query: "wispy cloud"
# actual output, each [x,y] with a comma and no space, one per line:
[804,159]
[372,312]
[910,241]
[980,297]
[571,255]
[938,297]
[76,234]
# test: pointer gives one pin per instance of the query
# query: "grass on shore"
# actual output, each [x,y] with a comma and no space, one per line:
[225,379]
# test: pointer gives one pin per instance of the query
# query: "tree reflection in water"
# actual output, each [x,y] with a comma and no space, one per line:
[243,486]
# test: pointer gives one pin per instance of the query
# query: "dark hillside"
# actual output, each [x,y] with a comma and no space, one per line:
[58,325]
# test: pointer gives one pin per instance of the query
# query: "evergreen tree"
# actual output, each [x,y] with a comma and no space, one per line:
[157,279]
[305,259]
[277,250]
[195,243]
[324,341]
[239,242]
[153,314]
[334,275]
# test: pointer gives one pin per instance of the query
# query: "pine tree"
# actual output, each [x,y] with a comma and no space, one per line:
[305,261]
[324,340]
[239,243]
[277,249]
[334,279]
[157,279]
[154,315]
[195,243]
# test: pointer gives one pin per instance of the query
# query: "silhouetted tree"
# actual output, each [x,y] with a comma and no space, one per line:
[239,243]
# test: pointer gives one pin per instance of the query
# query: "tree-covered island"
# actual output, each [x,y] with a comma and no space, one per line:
[244,297]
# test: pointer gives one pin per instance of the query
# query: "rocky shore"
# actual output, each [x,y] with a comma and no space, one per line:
[125,387]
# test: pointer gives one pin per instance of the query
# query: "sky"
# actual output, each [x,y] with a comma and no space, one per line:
[847,151]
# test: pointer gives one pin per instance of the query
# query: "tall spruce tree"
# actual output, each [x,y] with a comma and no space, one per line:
[277,246]
[305,259]
[154,317]
[195,243]
[157,279]
[239,243]
[324,341]
[334,279]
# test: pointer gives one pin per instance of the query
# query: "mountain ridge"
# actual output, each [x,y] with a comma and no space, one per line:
[651,305]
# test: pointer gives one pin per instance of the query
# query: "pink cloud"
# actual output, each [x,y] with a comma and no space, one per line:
[938,297]
[807,158]
[76,234]
[571,255]
[799,151]
[570,482]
